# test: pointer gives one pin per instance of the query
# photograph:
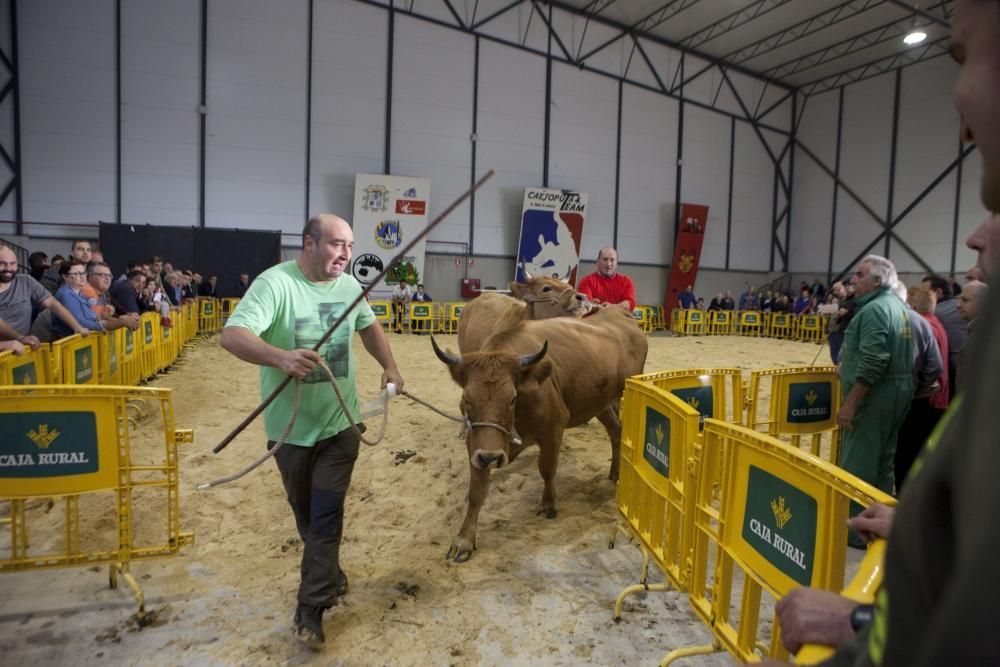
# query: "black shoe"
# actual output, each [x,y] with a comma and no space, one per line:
[308,625]
[342,584]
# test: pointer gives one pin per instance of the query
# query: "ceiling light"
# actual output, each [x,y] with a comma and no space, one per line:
[915,36]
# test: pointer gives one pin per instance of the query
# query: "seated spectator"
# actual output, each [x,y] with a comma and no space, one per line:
[421,295]
[716,303]
[687,299]
[729,303]
[74,276]
[208,287]
[96,292]
[767,302]
[18,293]
[80,250]
[172,288]
[701,304]
[38,262]
[803,303]
[242,284]
[125,295]
[132,265]
[749,300]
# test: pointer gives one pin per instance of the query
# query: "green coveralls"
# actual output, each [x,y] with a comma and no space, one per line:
[878,353]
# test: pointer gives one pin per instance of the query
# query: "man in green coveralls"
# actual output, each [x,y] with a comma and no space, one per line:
[282,316]
[876,375]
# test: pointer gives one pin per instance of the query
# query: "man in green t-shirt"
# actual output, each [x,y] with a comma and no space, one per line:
[282,316]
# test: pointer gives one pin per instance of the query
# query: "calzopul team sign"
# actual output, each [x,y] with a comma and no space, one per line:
[389,211]
[551,229]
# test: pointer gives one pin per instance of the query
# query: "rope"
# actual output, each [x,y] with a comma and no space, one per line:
[464,420]
[291,423]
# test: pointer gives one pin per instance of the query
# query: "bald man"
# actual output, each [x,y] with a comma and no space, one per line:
[971,300]
[282,316]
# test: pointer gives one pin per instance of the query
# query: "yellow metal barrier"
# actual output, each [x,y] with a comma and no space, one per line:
[780,325]
[653,500]
[694,322]
[421,317]
[149,325]
[751,323]
[70,441]
[226,308]
[189,321]
[454,313]
[713,392]
[644,315]
[209,320]
[109,361]
[803,404]
[659,322]
[720,322]
[777,522]
[383,312]
[812,328]
[677,320]
[79,359]
[129,357]
[33,367]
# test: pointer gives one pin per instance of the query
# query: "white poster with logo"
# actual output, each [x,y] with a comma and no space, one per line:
[388,212]
[551,230]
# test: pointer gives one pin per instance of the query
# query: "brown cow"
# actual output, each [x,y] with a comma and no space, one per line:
[531,382]
[537,298]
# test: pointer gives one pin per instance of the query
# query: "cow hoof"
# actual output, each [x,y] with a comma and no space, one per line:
[458,554]
[547,513]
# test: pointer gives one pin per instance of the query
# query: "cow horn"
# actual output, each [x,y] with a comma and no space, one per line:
[532,359]
[449,359]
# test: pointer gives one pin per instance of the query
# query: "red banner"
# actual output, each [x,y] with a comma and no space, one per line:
[687,252]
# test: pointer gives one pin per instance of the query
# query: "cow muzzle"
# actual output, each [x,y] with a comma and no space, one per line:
[484,460]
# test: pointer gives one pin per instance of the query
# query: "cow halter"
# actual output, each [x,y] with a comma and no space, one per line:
[468,425]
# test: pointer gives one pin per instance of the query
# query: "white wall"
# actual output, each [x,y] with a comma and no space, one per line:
[927,143]
[256,143]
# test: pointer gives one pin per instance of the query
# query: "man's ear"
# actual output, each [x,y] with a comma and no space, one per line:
[529,378]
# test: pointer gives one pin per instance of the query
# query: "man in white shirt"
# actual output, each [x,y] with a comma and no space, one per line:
[401,297]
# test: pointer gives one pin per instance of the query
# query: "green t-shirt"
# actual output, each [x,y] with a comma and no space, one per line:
[288,311]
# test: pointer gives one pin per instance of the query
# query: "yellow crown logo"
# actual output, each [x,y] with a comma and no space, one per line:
[42,437]
[782,514]
[85,360]
[686,263]
[811,397]
[659,434]
[694,402]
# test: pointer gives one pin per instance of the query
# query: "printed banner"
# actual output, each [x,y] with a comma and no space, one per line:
[388,212]
[656,448]
[780,525]
[551,229]
[687,252]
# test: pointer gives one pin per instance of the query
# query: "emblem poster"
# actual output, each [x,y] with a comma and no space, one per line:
[551,229]
[687,252]
[388,212]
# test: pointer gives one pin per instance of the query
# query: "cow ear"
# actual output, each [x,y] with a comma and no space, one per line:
[458,374]
[517,290]
[530,377]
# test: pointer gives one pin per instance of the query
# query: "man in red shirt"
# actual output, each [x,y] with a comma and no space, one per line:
[606,286]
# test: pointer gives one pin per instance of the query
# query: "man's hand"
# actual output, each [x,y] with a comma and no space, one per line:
[298,363]
[131,320]
[873,522]
[83,331]
[845,418]
[392,375]
[14,346]
[814,616]
[30,341]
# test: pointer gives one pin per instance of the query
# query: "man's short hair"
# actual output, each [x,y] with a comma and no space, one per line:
[939,283]
[154,259]
[93,266]
[38,254]
[313,229]
[133,273]
[78,241]
[420,285]
[881,268]
[600,252]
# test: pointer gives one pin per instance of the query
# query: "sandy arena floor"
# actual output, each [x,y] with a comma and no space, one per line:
[537,591]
